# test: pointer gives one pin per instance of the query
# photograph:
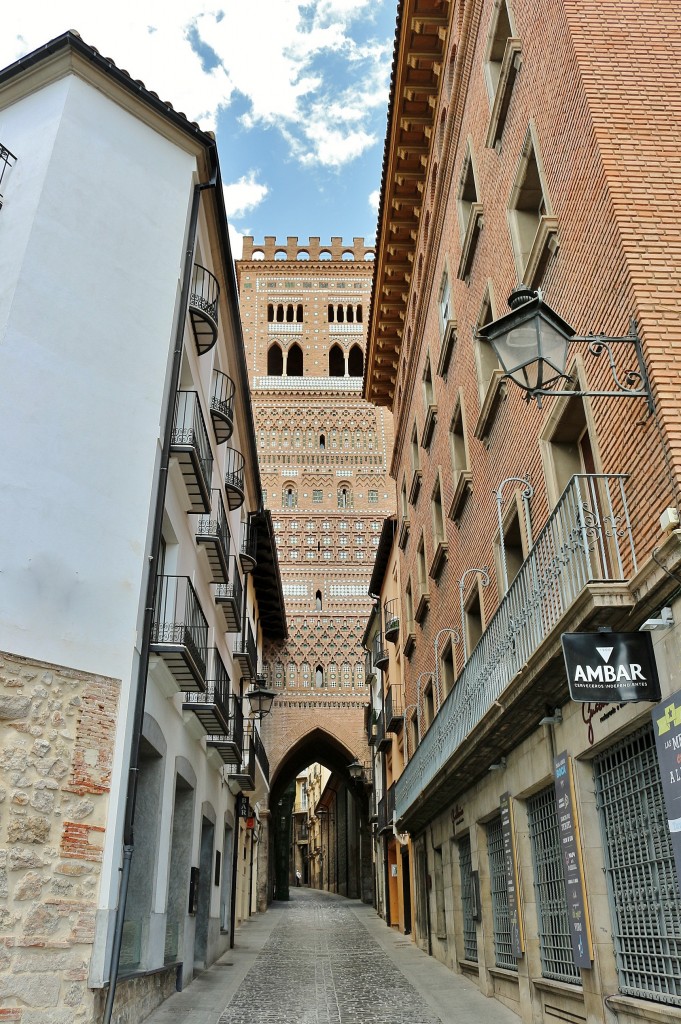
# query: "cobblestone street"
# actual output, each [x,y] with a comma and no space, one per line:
[322,959]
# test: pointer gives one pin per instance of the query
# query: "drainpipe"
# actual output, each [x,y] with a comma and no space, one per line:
[153,559]
[235,869]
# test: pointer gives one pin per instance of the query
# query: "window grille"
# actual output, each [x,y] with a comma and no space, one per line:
[555,945]
[503,957]
[645,905]
[470,937]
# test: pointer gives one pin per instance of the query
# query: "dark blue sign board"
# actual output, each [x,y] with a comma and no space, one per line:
[571,859]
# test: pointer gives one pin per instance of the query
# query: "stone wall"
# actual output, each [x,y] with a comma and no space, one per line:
[57,733]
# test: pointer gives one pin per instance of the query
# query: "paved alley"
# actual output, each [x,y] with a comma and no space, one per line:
[322,959]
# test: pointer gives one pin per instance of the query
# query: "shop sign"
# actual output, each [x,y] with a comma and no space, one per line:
[667,719]
[511,862]
[571,858]
[243,808]
[610,668]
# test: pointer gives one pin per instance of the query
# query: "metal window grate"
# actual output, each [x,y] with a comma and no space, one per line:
[470,937]
[503,957]
[555,946]
[645,904]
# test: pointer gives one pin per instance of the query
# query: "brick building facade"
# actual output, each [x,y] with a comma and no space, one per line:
[532,143]
[323,455]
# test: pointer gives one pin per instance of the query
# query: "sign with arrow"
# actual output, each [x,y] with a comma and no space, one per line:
[611,668]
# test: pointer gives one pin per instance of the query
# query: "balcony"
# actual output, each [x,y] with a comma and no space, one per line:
[211,706]
[222,406]
[390,806]
[212,533]
[190,445]
[229,744]
[261,754]
[394,711]
[244,777]
[383,739]
[204,297]
[7,161]
[234,478]
[391,620]
[380,652]
[369,668]
[245,654]
[574,578]
[229,598]
[248,546]
[179,632]
[370,724]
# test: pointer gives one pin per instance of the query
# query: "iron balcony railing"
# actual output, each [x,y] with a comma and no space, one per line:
[212,707]
[7,161]
[246,653]
[391,620]
[587,539]
[390,805]
[204,298]
[234,478]
[222,406]
[382,813]
[247,551]
[380,730]
[369,671]
[394,712]
[190,444]
[179,632]
[229,597]
[380,651]
[230,744]
[212,532]
[261,754]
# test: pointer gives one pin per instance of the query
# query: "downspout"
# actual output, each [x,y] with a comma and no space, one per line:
[153,559]
[235,869]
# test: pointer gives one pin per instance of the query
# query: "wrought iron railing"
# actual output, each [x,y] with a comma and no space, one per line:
[189,431]
[379,651]
[390,804]
[391,618]
[178,618]
[587,538]
[234,469]
[382,813]
[380,728]
[261,754]
[246,645]
[393,706]
[205,292]
[217,686]
[369,672]
[232,591]
[7,160]
[249,535]
[222,395]
[214,523]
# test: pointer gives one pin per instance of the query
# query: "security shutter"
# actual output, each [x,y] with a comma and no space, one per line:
[643,891]
[503,956]
[555,946]
[470,938]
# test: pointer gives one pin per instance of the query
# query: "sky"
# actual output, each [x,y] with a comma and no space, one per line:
[296,93]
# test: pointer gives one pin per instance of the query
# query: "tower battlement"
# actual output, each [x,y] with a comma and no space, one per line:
[305,250]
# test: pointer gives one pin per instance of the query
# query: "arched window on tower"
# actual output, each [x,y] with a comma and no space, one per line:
[289,498]
[319,677]
[280,314]
[331,314]
[270,312]
[318,601]
[344,496]
[340,315]
[359,314]
[336,361]
[351,315]
[275,361]
[299,314]
[294,362]
[322,442]
[356,362]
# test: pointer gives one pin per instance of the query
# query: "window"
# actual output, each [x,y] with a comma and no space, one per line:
[458,449]
[318,601]
[555,944]
[468,900]
[428,704]
[489,371]
[447,669]
[373,497]
[409,619]
[447,325]
[430,406]
[510,548]
[356,362]
[643,891]
[440,916]
[470,216]
[299,314]
[289,498]
[270,313]
[344,497]
[439,531]
[502,63]
[566,446]
[422,578]
[275,361]
[503,957]
[317,496]
[533,230]
[294,362]
[415,465]
[473,622]
[500,32]
[336,361]
[322,442]
[319,677]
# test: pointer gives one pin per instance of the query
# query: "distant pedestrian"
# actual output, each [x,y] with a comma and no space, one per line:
[298,877]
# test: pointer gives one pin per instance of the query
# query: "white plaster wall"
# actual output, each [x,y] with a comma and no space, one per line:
[86,332]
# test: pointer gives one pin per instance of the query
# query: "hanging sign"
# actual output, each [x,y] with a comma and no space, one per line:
[667,719]
[571,857]
[611,668]
[243,808]
[511,862]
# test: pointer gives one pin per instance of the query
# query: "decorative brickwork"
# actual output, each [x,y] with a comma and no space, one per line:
[57,733]
[324,461]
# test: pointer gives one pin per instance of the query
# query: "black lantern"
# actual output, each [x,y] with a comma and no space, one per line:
[260,700]
[531,344]
[356,771]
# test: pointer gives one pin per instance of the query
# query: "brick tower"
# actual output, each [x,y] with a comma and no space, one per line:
[323,456]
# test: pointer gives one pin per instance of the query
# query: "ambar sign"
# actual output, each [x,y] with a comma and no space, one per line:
[613,668]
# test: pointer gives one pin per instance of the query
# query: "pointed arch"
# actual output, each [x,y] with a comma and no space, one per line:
[294,362]
[336,361]
[275,361]
[356,362]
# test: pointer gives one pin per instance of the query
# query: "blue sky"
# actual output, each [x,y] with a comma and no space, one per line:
[296,93]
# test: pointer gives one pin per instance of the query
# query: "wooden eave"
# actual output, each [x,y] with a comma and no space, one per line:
[420,49]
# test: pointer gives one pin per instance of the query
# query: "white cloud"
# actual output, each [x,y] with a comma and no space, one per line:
[374,199]
[244,195]
[236,241]
[286,80]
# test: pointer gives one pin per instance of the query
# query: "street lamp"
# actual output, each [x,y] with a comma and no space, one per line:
[356,771]
[531,344]
[260,700]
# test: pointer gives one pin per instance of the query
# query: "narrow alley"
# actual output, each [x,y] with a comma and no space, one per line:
[323,959]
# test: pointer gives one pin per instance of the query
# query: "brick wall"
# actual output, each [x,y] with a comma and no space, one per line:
[57,733]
